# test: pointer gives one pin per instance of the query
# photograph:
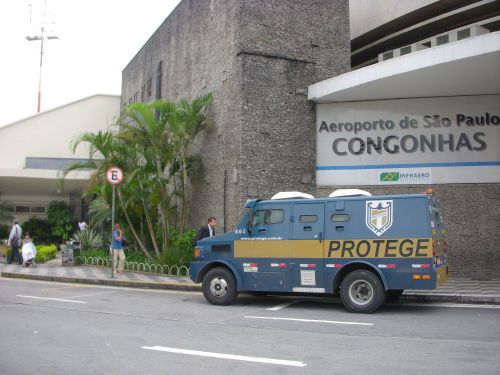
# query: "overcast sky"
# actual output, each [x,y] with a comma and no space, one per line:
[97,39]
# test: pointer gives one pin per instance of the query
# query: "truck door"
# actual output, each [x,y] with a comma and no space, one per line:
[306,263]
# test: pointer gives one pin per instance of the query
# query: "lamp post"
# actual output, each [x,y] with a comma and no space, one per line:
[41,38]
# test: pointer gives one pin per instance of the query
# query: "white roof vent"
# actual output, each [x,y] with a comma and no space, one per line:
[349,193]
[292,195]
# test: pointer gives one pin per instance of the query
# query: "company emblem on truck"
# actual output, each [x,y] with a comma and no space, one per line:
[379,216]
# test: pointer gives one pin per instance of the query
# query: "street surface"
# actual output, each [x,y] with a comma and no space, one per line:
[55,328]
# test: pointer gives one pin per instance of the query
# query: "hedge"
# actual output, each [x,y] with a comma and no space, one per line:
[43,253]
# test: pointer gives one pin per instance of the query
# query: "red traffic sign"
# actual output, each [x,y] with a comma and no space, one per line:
[114,175]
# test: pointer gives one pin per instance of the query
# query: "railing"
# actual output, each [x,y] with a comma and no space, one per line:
[160,269]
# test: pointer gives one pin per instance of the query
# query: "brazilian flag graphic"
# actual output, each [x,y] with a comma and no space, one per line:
[389,176]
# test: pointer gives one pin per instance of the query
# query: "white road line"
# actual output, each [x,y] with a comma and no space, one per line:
[309,320]
[235,357]
[282,306]
[50,299]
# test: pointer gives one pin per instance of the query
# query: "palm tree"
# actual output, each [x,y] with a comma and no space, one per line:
[152,148]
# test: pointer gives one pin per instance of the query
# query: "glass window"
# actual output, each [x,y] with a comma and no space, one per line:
[38,210]
[267,217]
[23,209]
[443,39]
[340,218]
[308,218]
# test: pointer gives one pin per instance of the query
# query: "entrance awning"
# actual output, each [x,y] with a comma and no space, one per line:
[467,67]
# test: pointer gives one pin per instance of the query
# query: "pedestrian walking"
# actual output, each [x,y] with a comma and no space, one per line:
[206,230]
[118,249]
[14,241]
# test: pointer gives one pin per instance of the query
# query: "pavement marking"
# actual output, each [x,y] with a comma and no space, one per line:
[92,294]
[309,320]
[50,299]
[235,357]
[282,306]
[452,305]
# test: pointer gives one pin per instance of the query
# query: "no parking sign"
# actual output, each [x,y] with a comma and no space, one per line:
[114,175]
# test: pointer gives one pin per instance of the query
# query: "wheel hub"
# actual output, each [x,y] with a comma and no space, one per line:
[361,292]
[218,287]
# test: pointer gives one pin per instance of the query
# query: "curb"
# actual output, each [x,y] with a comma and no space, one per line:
[110,282]
[456,298]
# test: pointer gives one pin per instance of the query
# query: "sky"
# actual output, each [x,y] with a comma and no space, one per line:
[96,40]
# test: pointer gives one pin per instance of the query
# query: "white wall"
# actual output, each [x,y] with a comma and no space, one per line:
[49,134]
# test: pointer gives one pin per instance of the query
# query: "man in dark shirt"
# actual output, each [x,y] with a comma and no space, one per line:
[206,230]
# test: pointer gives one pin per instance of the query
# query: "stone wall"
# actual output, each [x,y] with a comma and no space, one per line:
[257,57]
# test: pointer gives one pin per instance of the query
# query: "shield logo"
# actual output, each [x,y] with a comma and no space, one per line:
[379,216]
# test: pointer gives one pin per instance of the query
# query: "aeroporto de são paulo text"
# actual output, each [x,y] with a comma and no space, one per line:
[410,143]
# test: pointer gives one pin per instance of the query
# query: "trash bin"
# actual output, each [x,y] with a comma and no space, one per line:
[67,251]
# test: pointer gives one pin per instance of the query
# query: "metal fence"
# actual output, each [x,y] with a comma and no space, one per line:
[159,269]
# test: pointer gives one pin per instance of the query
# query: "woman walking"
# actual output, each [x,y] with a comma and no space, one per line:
[118,249]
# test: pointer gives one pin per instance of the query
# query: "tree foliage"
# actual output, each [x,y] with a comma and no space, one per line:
[59,218]
[151,144]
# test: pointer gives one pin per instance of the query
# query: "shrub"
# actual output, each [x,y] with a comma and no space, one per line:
[4,231]
[39,231]
[43,253]
[59,219]
[88,239]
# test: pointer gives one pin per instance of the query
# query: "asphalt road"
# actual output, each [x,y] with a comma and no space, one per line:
[54,328]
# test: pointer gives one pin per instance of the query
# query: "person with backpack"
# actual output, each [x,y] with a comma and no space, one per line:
[14,241]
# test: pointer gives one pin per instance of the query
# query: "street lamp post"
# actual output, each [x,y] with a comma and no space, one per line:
[41,38]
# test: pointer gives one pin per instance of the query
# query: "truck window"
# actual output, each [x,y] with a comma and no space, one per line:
[267,217]
[336,218]
[308,218]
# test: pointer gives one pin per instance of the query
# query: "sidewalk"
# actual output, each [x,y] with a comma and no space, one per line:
[454,290]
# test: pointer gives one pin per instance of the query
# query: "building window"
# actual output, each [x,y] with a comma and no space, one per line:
[387,55]
[159,73]
[463,34]
[149,87]
[405,50]
[23,209]
[37,210]
[443,39]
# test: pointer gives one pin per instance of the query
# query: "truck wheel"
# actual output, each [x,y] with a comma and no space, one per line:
[219,286]
[362,292]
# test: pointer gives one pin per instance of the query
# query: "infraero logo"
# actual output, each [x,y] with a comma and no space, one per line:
[389,176]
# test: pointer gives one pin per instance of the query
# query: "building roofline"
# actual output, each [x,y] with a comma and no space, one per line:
[57,108]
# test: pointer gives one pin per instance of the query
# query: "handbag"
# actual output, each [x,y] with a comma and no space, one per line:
[15,240]
[124,242]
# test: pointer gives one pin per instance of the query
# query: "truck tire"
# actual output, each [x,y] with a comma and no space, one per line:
[219,286]
[361,291]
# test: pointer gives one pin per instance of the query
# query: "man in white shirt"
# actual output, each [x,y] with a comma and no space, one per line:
[14,241]
[82,225]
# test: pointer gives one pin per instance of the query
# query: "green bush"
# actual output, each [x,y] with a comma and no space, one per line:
[39,231]
[43,253]
[59,219]
[4,231]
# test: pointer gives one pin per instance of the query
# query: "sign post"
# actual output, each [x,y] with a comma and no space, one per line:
[114,175]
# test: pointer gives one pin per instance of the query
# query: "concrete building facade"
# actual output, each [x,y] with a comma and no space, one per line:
[35,149]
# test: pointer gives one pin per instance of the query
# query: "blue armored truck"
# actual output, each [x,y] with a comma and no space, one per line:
[364,248]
